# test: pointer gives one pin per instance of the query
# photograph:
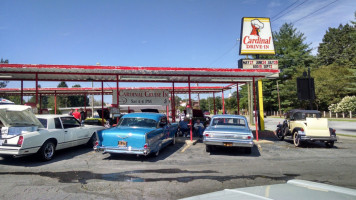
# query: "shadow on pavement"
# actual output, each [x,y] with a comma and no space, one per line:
[34,160]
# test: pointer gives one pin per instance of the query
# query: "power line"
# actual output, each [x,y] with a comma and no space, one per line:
[228,51]
[285,9]
[291,10]
[315,11]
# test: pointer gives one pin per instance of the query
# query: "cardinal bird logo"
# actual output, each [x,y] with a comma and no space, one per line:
[256,26]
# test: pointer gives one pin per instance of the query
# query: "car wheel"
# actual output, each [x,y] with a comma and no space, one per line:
[329,144]
[46,152]
[208,148]
[248,150]
[296,139]
[91,142]
[279,134]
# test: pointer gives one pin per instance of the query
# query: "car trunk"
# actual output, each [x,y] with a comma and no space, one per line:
[124,137]
[317,127]
[229,133]
[15,119]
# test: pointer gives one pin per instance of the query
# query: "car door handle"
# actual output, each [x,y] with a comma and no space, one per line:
[66,131]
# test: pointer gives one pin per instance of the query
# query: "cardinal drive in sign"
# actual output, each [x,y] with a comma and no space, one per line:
[256,36]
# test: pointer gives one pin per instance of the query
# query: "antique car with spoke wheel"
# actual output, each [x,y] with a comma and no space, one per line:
[137,133]
[306,125]
[228,131]
[22,133]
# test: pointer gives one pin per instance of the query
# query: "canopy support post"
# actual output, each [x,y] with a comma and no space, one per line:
[21,92]
[223,101]
[214,103]
[255,106]
[190,103]
[238,98]
[102,103]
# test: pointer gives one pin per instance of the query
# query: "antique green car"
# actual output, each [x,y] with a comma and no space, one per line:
[306,125]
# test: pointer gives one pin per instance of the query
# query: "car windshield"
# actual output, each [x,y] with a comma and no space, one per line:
[138,122]
[229,122]
[303,116]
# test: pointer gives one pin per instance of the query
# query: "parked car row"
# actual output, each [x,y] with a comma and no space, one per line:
[23,133]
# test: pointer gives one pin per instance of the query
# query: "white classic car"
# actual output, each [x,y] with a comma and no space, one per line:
[22,133]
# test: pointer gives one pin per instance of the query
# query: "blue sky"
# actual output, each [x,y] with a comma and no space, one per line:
[184,33]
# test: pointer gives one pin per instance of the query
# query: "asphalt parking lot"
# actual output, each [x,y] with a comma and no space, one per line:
[179,171]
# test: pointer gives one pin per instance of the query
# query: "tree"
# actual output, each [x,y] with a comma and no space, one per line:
[338,49]
[330,84]
[3,83]
[77,101]
[62,101]
[338,46]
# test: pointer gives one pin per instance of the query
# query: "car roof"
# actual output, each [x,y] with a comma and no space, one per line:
[49,116]
[228,116]
[303,111]
[155,116]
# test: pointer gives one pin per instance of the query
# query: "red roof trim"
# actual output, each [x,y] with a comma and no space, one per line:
[90,67]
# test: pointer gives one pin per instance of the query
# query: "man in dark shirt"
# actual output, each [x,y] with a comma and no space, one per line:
[82,115]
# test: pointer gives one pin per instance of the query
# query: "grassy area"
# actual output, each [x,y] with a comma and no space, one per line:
[338,134]
[342,120]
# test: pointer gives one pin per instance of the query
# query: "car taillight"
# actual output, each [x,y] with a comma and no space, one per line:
[145,146]
[96,143]
[20,141]
[249,137]
[302,129]
[334,131]
[206,135]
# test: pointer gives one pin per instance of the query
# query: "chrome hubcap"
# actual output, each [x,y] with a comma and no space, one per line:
[49,151]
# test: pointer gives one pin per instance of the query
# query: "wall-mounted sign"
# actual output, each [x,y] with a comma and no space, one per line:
[142,97]
[256,36]
[258,64]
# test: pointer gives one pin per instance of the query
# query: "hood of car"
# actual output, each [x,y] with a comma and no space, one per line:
[18,115]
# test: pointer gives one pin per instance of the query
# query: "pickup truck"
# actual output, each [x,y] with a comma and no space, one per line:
[22,133]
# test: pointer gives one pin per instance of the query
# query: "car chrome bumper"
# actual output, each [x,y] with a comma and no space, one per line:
[308,138]
[127,150]
[234,143]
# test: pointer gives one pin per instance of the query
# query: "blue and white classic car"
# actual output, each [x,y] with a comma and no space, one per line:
[228,131]
[137,133]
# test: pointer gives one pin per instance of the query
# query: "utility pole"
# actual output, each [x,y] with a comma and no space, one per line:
[279,101]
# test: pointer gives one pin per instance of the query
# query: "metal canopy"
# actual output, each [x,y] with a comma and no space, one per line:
[107,90]
[28,72]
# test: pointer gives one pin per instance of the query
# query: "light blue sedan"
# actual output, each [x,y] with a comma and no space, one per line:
[228,131]
[137,133]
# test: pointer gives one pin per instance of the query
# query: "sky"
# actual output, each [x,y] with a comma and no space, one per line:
[152,33]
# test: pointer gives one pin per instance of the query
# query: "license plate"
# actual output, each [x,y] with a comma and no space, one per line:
[122,144]
[228,144]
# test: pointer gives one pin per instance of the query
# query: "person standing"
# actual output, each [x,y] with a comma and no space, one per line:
[71,112]
[76,114]
[82,115]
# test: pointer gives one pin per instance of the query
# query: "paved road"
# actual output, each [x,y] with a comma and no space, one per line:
[80,173]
